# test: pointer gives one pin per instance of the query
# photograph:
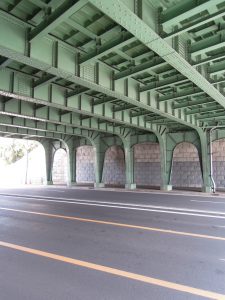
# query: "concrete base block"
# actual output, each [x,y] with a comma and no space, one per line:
[207,189]
[130,186]
[71,183]
[99,185]
[49,183]
[167,187]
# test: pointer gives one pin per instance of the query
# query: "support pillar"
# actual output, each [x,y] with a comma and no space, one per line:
[49,156]
[166,158]
[129,164]
[99,153]
[205,161]
[71,166]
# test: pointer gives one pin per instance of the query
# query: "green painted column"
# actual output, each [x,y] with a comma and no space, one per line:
[205,161]
[99,153]
[166,158]
[129,164]
[49,156]
[71,163]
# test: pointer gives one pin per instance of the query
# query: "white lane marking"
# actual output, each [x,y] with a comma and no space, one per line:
[222,259]
[58,191]
[220,226]
[132,208]
[118,204]
[215,202]
[149,192]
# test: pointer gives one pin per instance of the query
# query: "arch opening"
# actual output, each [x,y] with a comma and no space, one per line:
[186,170]
[22,162]
[85,172]
[147,169]
[218,159]
[59,169]
[114,166]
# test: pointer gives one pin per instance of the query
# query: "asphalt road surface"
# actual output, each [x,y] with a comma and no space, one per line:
[70,243]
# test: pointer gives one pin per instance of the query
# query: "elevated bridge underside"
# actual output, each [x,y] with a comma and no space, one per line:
[117,72]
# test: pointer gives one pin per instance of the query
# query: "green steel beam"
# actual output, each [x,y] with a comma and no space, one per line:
[123,15]
[141,113]
[44,80]
[4,62]
[66,66]
[11,7]
[77,92]
[204,109]
[123,39]
[135,70]
[41,4]
[61,13]
[80,28]
[217,68]
[204,20]
[104,100]
[185,9]
[190,103]
[209,59]
[208,44]
[37,128]
[163,83]
[68,125]
[211,116]
[174,96]
[35,109]
[124,107]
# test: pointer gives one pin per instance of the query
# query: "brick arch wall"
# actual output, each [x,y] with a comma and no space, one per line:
[59,171]
[114,166]
[218,157]
[85,164]
[147,164]
[186,171]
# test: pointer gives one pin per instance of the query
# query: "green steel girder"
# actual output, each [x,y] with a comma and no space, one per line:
[125,17]
[141,113]
[77,92]
[123,39]
[66,66]
[196,24]
[123,107]
[4,62]
[175,96]
[185,9]
[44,80]
[48,131]
[20,133]
[104,100]
[190,103]
[211,116]
[163,83]
[135,70]
[204,109]
[209,59]
[61,13]
[80,28]
[39,110]
[19,121]
[217,68]
[208,44]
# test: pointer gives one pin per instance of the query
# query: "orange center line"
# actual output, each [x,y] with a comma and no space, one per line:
[117,272]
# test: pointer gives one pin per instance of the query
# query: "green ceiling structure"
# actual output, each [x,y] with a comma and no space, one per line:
[103,69]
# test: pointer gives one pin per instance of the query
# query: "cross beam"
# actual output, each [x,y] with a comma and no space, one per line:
[64,11]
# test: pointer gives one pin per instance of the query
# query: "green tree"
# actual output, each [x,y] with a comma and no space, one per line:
[15,149]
